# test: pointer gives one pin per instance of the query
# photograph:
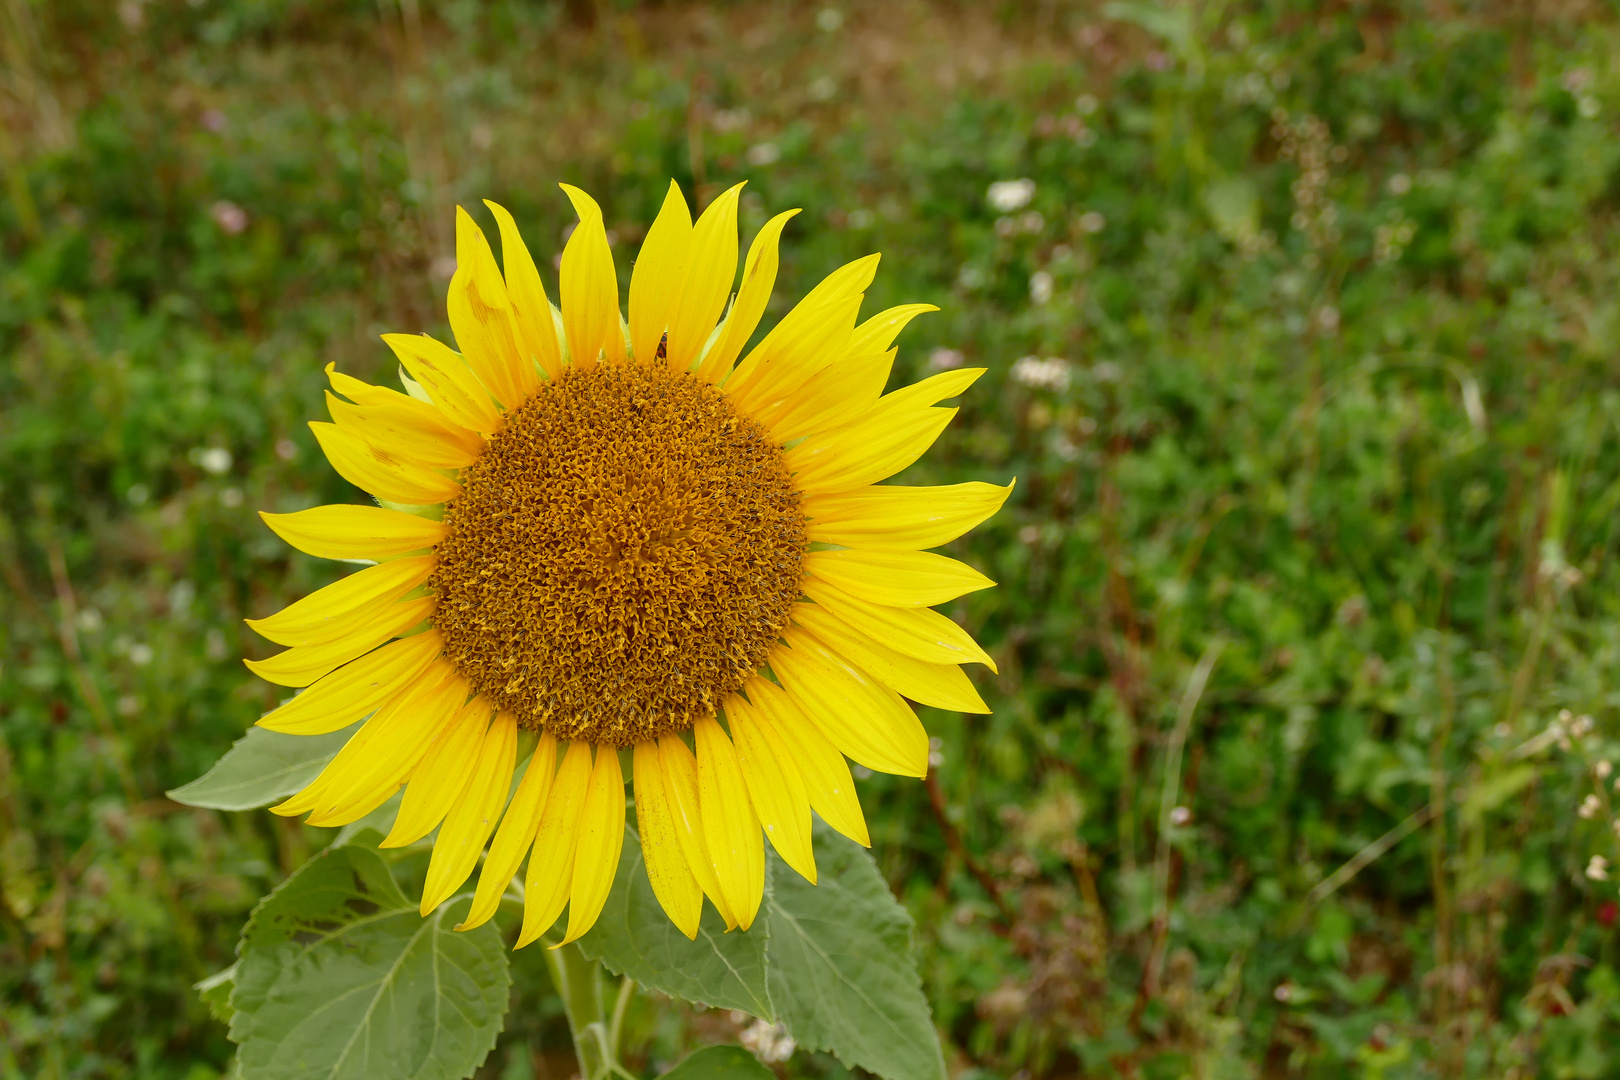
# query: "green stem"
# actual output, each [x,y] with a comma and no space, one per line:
[627,990]
[579,984]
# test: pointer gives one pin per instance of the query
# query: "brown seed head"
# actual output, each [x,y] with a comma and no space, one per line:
[623,555]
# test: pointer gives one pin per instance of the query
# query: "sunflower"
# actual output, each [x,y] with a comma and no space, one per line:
[613,541]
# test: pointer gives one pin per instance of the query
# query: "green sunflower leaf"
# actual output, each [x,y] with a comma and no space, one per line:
[634,937]
[831,961]
[339,978]
[261,768]
[719,1063]
[840,967]
[215,992]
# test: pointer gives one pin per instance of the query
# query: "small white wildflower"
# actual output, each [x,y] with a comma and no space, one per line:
[771,1043]
[1589,808]
[731,119]
[140,654]
[1005,196]
[1582,727]
[762,154]
[1049,374]
[1603,769]
[1180,816]
[942,359]
[1597,869]
[215,645]
[213,459]
[1040,288]
[1092,222]
[231,219]
[1399,184]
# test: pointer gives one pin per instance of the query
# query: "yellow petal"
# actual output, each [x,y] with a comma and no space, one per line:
[930,391]
[369,469]
[759,278]
[386,746]
[357,688]
[730,828]
[894,518]
[516,833]
[834,396]
[681,793]
[774,785]
[364,393]
[531,308]
[329,613]
[672,881]
[821,767]
[384,757]
[944,686]
[441,776]
[711,266]
[420,436]
[864,453]
[878,333]
[551,862]
[851,279]
[918,632]
[303,664]
[601,839]
[589,287]
[805,341]
[450,382]
[415,415]
[896,578]
[355,532]
[481,318]
[888,437]
[461,839]
[655,280]
[864,719]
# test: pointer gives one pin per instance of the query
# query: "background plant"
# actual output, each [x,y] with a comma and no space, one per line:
[1311,545]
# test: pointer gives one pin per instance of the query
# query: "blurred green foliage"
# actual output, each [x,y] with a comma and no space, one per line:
[1320,315]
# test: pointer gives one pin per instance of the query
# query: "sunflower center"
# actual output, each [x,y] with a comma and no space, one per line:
[623,555]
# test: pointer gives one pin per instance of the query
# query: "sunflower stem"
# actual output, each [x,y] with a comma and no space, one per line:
[627,990]
[579,984]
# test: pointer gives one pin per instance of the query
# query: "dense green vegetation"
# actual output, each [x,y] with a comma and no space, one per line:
[1313,541]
